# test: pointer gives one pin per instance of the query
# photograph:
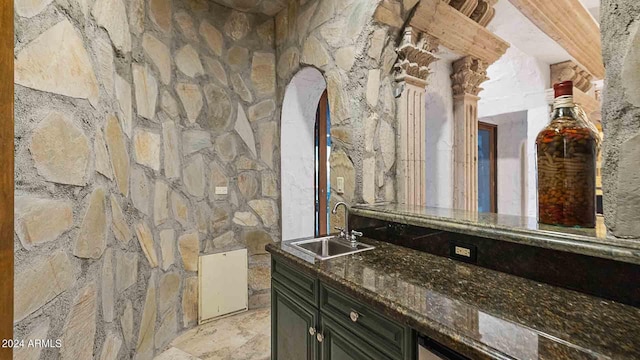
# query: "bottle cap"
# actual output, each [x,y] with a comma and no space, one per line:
[563,88]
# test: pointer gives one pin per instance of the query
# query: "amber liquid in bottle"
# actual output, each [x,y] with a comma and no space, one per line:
[566,159]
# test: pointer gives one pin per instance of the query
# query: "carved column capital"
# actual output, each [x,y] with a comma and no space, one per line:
[571,71]
[415,54]
[468,74]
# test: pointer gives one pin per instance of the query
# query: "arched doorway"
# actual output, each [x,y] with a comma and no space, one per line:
[301,150]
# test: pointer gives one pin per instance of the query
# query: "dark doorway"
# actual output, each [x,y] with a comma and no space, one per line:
[322,149]
[487,167]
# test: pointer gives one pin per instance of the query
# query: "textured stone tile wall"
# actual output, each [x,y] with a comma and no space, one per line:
[352,42]
[620,27]
[129,114]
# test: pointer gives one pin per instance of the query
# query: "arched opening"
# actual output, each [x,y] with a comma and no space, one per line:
[302,148]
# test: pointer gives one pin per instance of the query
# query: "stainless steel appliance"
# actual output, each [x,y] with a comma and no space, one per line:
[431,350]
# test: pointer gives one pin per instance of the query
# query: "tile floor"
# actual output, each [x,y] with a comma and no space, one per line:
[245,336]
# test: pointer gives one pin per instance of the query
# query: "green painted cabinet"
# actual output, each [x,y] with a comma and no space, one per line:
[311,320]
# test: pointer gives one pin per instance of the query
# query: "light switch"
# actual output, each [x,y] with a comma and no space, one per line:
[221,190]
[340,185]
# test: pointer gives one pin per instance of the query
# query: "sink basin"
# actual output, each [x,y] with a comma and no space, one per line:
[330,247]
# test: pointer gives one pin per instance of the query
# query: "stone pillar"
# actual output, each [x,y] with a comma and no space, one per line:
[414,56]
[621,116]
[468,74]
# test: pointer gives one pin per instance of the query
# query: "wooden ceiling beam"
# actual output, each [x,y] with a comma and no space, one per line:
[569,24]
[457,32]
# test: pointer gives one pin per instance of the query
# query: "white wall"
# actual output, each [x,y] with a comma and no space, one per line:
[439,137]
[512,161]
[297,153]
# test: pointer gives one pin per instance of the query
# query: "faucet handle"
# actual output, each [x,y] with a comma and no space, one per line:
[356,233]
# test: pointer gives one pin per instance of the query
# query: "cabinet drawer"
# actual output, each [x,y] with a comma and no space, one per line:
[381,332]
[299,283]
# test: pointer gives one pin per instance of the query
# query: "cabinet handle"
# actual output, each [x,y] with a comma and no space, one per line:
[354,315]
[320,337]
[312,331]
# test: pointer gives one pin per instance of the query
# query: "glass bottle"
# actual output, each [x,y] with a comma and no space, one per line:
[566,163]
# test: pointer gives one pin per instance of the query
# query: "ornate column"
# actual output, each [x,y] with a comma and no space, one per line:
[414,56]
[468,74]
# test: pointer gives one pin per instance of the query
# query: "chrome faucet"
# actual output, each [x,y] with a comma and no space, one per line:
[344,232]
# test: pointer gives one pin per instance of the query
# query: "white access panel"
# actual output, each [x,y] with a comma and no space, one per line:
[222,284]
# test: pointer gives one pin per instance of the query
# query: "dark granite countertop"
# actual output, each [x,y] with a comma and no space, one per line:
[481,313]
[517,229]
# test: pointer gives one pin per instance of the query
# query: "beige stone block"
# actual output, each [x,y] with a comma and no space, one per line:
[214,67]
[373,87]
[389,13]
[103,166]
[111,347]
[145,238]
[202,213]
[267,209]
[324,13]
[247,184]
[141,190]
[226,147]
[224,242]
[30,8]
[126,271]
[243,128]
[263,73]
[191,99]
[261,110]
[377,43]
[387,139]
[125,112]
[314,53]
[219,106]
[219,219]
[336,97]
[195,140]
[212,36]
[186,26]
[167,330]
[160,203]
[245,218]
[169,104]
[237,57]
[369,180]
[256,240]
[171,151]
[57,62]
[167,241]
[241,88]
[188,61]
[626,203]
[126,323]
[119,224]
[237,26]
[92,237]
[41,280]
[269,184]
[106,68]
[145,344]
[370,126]
[189,246]
[160,13]
[136,16]
[266,31]
[146,148]
[112,16]
[193,176]
[39,220]
[80,328]
[180,208]
[160,55]
[268,135]
[345,57]
[146,90]
[259,277]
[304,19]
[289,61]
[60,150]
[190,301]
[168,292]
[118,153]
[39,331]
[108,287]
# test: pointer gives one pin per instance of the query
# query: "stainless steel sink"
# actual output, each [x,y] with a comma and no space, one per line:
[329,247]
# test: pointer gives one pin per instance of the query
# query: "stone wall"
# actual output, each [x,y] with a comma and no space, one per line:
[352,43]
[620,27]
[128,116]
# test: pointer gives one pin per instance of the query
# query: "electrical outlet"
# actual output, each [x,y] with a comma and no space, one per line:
[221,190]
[463,252]
[340,185]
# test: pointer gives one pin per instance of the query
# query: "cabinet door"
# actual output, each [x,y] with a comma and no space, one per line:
[293,326]
[339,343]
